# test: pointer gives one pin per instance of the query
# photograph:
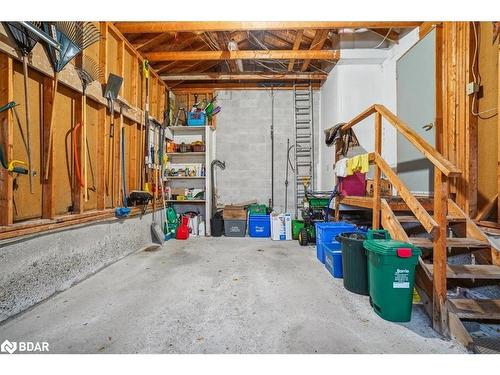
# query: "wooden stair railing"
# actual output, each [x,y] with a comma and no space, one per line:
[431,277]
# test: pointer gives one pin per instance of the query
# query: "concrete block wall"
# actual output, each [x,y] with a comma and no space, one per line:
[243,142]
[33,269]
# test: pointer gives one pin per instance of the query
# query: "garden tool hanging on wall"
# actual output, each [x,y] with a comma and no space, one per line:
[14,165]
[73,38]
[111,91]
[25,41]
[89,72]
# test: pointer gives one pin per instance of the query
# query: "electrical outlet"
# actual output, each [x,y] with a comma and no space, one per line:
[472,88]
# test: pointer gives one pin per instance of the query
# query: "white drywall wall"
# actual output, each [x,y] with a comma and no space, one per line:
[363,78]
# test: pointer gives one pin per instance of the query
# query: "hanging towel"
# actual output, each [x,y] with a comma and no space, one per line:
[341,167]
[358,163]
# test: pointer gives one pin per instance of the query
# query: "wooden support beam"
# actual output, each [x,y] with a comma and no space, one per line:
[202,26]
[426,27]
[439,252]
[296,46]
[316,45]
[487,209]
[498,151]
[243,55]
[153,41]
[243,77]
[48,191]
[391,223]
[377,176]
[7,133]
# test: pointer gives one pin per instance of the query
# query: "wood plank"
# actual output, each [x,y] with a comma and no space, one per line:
[458,332]
[466,308]
[418,210]
[202,26]
[413,219]
[7,132]
[487,209]
[296,46]
[48,191]
[426,27]
[439,316]
[243,55]
[469,271]
[457,242]
[211,76]
[316,45]
[377,177]
[390,223]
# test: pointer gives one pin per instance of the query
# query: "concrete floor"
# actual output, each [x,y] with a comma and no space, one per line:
[219,295]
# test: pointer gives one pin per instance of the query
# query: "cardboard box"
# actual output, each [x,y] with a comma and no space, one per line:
[234,213]
[281,227]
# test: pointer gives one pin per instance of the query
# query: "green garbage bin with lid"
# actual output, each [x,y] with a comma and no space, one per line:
[391,275]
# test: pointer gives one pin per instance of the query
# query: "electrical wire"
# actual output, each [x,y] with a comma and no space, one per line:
[477,79]
[385,38]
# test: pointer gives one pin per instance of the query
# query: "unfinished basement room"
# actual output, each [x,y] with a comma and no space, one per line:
[249,187]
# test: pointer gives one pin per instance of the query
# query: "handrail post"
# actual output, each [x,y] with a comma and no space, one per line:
[377,176]
[439,251]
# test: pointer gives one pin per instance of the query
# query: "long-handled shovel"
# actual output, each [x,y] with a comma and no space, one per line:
[89,71]
[111,93]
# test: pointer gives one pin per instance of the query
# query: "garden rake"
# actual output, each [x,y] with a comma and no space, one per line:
[89,72]
[25,41]
[73,38]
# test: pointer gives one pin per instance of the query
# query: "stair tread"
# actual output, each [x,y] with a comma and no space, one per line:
[451,242]
[413,219]
[466,308]
[468,271]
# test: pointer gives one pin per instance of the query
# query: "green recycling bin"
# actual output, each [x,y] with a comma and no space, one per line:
[391,275]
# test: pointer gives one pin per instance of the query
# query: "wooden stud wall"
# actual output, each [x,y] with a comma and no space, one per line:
[459,125]
[61,194]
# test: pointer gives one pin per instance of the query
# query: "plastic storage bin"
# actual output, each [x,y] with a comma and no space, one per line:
[391,276]
[235,228]
[297,225]
[354,262]
[259,226]
[333,259]
[326,233]
[196,118]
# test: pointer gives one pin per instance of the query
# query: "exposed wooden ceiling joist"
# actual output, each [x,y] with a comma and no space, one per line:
[244,55]
[316,44]
[196,87]
[296,46]
[243,77]
[201,26]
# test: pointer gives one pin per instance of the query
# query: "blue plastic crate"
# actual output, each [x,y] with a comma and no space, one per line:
[196,118]
[326,233]
[333,259]
[259,226]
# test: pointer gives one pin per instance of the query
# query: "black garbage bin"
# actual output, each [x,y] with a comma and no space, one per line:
[354,262]
[217,225]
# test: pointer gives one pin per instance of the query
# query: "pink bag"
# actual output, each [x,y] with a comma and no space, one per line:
[353,185]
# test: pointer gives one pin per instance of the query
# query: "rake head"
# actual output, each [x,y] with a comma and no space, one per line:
[89,72]
[24,38]
[73,37]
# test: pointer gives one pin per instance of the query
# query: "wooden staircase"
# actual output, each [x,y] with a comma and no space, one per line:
[440,228]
